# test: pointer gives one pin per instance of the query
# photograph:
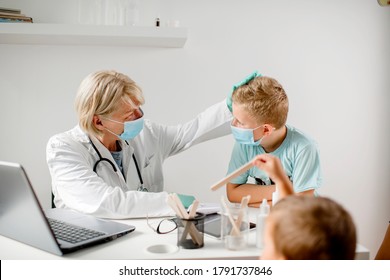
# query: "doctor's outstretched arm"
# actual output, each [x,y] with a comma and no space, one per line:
[212,123]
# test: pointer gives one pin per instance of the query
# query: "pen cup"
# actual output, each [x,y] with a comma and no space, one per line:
[235,236]
[190,232]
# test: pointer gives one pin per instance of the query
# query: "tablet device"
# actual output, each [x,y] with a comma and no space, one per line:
[212,225]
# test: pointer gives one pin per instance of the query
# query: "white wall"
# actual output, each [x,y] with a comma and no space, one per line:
[331,56]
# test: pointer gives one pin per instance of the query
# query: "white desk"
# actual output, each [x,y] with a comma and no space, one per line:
[135,244]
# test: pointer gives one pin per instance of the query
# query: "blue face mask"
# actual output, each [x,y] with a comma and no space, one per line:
[245,135]
[131,128]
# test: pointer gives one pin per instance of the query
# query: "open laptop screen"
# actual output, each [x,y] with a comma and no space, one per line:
[22,217]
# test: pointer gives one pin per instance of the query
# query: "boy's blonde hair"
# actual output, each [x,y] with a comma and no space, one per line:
[312,228]
[101,93]
[264,99]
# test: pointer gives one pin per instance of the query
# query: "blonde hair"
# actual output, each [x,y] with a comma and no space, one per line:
[312,228]
[264,99]
[101,93]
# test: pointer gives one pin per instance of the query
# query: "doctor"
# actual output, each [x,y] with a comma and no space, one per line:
[110,164]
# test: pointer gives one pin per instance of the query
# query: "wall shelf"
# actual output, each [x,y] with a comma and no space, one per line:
[103,35]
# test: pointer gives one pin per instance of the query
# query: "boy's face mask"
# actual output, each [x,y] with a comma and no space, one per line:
[245,135]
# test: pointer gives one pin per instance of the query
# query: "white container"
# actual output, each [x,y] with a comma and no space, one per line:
[235,240]
[260,223]
[275,196]
[131,9]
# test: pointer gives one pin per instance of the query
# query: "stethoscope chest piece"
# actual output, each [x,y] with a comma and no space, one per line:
[141,188]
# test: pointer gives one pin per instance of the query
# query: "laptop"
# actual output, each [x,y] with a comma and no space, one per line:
[23,219]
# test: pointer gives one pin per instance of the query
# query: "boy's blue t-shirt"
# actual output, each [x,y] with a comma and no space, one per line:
[298,154]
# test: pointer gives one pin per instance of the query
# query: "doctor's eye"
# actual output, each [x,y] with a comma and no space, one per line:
[134,114]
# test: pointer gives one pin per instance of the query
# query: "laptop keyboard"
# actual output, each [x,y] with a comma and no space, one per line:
[71,233]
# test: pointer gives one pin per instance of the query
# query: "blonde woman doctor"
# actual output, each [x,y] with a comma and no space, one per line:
[110,164]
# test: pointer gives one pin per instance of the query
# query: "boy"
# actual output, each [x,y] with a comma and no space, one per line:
[309,228]
[304,227]
[260,108]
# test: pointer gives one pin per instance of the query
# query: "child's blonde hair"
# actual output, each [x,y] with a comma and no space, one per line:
[264,99]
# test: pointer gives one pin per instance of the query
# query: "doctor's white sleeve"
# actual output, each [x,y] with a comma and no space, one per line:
[212,123]
[76,186]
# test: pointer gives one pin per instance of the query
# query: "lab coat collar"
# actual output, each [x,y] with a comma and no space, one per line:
[81,136]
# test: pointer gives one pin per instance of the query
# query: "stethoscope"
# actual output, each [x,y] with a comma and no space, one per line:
[102,159]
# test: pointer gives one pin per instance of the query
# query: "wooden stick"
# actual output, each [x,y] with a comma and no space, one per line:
[243,205]
[235,229]
[194,207]
[191,215]
[171,202]
[232,175]
[194,233]
[180,206]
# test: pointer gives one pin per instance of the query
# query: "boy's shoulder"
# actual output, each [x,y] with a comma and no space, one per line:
[298,134]
[298,137]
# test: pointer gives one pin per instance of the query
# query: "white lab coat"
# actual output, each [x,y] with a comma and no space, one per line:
[108,194]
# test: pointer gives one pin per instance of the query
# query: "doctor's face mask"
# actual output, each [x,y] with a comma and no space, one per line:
[130,128]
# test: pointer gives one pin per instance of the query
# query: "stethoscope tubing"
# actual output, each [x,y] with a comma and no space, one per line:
[101,159]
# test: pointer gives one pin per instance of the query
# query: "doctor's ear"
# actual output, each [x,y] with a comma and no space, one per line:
[97,122]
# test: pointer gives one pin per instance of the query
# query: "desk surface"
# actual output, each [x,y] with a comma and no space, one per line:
[135,246]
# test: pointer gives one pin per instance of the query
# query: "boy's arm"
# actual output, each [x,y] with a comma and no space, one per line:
[274,169]
[235,192]
[308,192]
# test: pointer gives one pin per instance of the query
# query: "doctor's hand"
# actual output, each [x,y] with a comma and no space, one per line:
[229,101]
